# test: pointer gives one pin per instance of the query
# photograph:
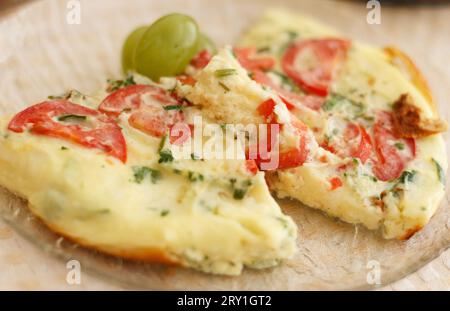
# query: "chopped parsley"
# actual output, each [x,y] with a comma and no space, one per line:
[164,213]
[165,156]
[335,100]
[114,85]
[220,73]
[440,171]
[72,117]
[399,146]
[332,102]
[263,49]
[173,107]
[239,192]
[285,79]
[193,176]
[62,96]
[292,34]
[194,157]
[63,148]
[141,172]
[226,88]
[407,176]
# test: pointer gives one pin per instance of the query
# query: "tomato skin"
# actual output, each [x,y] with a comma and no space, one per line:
[363,150]
[40,120]
[127,98]
[311,101]
[287,158]
[201,60]
[336,183]
[249,60]
[150,118]
[266,110]
[180,133]
[251,167]
[327,54]
[189,80]
[390,163]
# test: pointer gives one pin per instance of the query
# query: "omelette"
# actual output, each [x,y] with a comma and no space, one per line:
[349,129]
[103,171]
[370,149]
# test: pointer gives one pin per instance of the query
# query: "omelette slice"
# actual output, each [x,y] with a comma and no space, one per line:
[374,154]
[99,170]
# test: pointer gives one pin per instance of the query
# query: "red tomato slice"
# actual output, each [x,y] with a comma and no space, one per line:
[249,59]
[355,143]
[266,110]
[98,131]
[335,182]
[287,158]
[310,101]
[152,109]
[390,161]
[312,63]
[363,149]
[298,156]
[201,60]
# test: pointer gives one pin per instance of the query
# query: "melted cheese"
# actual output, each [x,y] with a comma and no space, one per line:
[97,200]
[367,77]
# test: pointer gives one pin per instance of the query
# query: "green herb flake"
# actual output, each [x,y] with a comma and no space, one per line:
[407,176]
[331,102]
[440,171]
[399,146]
[292,34]
[220,73]
[239,194]
[263,49]
[71,117]
[177,171]
[114,85]
[173,107]
[222,85]
[165,156]
[141,172]
[164,213]
[194,177]
[63,148]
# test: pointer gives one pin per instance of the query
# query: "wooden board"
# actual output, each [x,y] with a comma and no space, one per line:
[43,54]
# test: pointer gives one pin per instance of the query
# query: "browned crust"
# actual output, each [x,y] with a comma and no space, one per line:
[409,122]
[410,232]
[402,61]
[147,254]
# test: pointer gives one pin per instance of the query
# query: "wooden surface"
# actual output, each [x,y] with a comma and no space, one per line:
[25,267]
